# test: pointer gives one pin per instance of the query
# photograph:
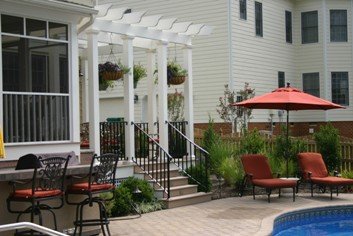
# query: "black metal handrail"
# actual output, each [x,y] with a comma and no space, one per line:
[152,158]
[195,159]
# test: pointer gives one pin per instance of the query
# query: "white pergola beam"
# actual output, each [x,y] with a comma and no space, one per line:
[141,32]
[113,13]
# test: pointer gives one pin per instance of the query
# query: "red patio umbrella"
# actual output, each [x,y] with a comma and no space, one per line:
[288,99]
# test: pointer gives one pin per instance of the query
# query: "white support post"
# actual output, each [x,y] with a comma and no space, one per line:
[93,89]
[151,88]
[162,95]
[75,86]
[85,97]
[128,54]
[188,95]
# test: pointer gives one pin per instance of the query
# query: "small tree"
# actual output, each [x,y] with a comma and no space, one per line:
[327,141]
[233,114]
[176,106]
[210,136]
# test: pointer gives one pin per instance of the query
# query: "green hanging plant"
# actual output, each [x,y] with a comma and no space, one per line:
[139,73]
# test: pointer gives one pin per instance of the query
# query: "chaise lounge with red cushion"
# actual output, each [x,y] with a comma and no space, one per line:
[315,172]
[258,172]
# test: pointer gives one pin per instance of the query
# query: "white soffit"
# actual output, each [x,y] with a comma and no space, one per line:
[113,22]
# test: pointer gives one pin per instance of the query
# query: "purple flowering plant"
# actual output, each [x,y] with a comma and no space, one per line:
[112,67]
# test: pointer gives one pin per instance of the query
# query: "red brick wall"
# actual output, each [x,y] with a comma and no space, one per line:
[296,128]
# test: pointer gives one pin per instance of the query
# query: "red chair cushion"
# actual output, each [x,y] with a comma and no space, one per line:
[312,162]
[84,187]
[274,183]
[257,165]
[27,193]
[332,180]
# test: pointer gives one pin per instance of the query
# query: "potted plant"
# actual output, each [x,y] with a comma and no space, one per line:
[175,73]
[112,71]
[139,73]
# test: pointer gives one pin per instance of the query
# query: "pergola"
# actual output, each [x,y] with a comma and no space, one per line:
[117,25]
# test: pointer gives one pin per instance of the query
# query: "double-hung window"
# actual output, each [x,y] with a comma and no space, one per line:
[281,79]
[310,30]
[288,27]
[340,88]
[258,19]
[311,83]
[338,25]
[242,9]
[35,80]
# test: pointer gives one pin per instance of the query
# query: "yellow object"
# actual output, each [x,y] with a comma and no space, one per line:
[2,147]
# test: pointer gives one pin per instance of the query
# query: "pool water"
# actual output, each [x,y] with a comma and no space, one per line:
[333,221]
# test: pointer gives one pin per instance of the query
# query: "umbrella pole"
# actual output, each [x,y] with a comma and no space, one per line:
[287,148]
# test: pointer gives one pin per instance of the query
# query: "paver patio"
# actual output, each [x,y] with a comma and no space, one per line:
[228,216]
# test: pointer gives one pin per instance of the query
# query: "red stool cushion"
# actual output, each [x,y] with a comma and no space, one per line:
[27,193]
[84,187]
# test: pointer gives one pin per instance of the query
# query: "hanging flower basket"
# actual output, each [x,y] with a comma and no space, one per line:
[112,71]
[112,75]
[175,73]
[176,80]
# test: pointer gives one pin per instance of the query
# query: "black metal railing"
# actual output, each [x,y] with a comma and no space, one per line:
[195,161]
[112,138]
[152,158]
[177,143]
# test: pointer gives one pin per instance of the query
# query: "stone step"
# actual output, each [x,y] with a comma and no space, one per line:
[160,173]
[188,199]
[183,190]
[174,181]
[154,165]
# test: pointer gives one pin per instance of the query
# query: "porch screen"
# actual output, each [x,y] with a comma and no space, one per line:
[35,80]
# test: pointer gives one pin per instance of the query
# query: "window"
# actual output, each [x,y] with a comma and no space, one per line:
[258,19]
[310,31]
[242,9]
[338,25]
[281,79]
[288,27]
[35,80]
[311,84]
[339,84]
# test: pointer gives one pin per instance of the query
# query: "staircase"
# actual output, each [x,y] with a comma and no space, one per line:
[181,193]
[169,173]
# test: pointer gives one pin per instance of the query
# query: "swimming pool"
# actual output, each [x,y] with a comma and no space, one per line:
[332,220]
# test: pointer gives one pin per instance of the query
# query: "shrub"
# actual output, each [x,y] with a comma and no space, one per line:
[252,143]
[210,135]
[124,196]
[198,173]
[145,207]
[327,141]
[220,151]
[122,202]
[232,171]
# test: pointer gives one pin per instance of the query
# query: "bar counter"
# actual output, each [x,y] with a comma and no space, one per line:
[65,215]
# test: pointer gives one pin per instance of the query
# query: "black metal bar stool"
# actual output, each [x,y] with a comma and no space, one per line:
[47,183]
[101,179]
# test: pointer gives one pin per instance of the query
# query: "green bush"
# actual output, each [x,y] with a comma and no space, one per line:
[231,171]
[124,196]
[145,207]
[328,144]
[220,151]
[198,172]
[252,143]
[210,136]
[122,202]
[347,174]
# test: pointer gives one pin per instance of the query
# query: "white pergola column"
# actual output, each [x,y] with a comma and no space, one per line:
[151,88]
[128,54]
[162,94]
[85,97]
[188,93]
[93,89]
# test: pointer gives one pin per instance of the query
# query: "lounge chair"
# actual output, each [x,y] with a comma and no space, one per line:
[315,172]
[258,172]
